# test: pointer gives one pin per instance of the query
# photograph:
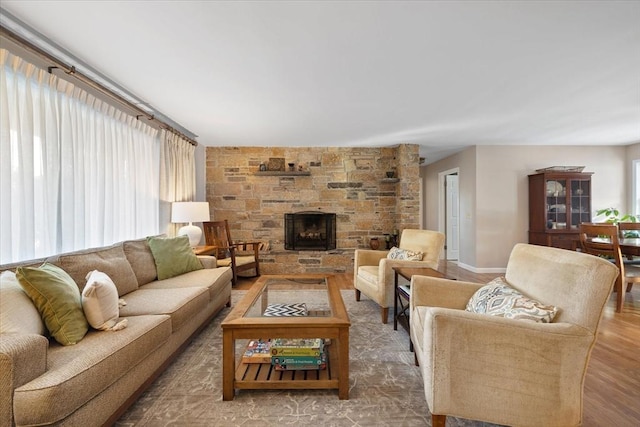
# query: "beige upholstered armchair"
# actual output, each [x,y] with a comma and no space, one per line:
[373,271]
[511,371]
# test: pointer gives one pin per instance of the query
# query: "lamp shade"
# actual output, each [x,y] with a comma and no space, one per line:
[190,212]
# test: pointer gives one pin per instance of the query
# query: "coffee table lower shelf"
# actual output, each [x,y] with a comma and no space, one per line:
[263,376]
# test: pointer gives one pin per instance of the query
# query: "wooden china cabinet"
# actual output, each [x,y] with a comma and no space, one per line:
[558,203]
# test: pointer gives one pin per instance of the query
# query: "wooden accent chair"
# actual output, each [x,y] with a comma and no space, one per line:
[373,271]
[602,239]
[511,371]
[240,256]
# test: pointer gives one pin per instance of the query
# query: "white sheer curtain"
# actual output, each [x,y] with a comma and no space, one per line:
[177,175]
[75,172]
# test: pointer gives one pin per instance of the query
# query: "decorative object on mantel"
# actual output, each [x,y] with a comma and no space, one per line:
[263,167]
[562,169]
[276,164]
[374,243]
[391,174]
[292,167]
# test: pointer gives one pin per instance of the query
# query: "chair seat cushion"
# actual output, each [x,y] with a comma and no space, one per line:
[240,261]
[369,273]
[497,298]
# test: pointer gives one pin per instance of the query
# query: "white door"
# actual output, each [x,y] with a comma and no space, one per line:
[452,216]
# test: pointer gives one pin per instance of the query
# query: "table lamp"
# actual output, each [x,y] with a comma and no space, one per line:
[190,212]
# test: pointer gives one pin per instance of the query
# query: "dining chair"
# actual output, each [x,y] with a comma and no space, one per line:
[631,263]
[240,256]
[602,239]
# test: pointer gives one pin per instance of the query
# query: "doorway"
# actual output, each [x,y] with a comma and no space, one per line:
[449,215]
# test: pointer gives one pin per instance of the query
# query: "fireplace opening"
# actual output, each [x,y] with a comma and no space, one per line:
[309,231]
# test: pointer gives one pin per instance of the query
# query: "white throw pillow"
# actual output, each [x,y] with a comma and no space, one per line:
[18,315]
[100,302]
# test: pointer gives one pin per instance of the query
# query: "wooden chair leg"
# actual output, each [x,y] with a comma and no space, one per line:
[438,420]
[620,296]
[415,359]
[357,295]
[385,314]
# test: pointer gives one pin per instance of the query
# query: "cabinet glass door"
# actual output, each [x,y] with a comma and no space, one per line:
[556,204]
[580,194]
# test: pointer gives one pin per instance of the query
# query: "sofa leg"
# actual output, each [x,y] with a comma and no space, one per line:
[438,420]
[385,314]
[229,303]
[357,295]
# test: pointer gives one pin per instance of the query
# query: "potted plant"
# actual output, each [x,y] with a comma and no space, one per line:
[613,217]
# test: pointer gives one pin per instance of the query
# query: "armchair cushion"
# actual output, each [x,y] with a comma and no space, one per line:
[497,298]
[404,254]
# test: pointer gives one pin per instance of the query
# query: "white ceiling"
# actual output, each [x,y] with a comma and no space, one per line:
[444,75]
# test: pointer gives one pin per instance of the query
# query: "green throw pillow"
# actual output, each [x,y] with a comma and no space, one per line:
[173,256]
[57,298]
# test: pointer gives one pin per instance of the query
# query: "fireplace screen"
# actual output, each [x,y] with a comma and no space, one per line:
[309,231]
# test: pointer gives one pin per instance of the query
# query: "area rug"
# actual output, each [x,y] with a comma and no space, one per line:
[385,386]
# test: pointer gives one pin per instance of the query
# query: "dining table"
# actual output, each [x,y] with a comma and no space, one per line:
[630,246]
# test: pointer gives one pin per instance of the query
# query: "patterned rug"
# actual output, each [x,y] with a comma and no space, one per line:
[385,385]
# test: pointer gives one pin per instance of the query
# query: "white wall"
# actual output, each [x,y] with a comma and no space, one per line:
[494,193]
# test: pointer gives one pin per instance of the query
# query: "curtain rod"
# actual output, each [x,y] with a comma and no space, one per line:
[71,70]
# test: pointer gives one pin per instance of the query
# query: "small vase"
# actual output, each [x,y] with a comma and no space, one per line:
[374,243]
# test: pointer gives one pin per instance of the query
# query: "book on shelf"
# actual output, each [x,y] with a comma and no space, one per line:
[286,310]
[257,351]
[299,360]
[288,363]
[297,346]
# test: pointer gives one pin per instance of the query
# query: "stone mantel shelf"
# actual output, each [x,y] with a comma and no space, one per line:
[283,173]
[390,180]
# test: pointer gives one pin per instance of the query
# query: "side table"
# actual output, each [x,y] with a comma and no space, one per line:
[401,306]
[205,250]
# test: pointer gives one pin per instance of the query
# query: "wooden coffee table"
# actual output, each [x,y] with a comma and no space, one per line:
[327,318]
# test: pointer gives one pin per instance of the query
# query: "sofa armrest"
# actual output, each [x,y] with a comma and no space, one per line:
[22,359]
[480,355]
[208,261]
[438,292]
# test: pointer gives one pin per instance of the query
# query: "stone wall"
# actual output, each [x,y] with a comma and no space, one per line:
[350,182]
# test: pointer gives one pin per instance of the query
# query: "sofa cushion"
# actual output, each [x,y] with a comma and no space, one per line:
[497,298]
[404,254]
[141,259]
[77,374]
[57,298]
[181,304]
[215,279]
[173,256]
[18,315]
[111,261]
[100,302]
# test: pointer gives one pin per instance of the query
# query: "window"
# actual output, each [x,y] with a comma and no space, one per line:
[75,172]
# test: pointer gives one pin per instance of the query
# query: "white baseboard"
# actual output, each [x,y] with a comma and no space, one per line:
[481,270]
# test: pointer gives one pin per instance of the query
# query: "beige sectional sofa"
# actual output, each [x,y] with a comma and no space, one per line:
[95,380]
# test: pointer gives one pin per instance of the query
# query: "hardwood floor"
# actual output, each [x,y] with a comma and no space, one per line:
[612,384]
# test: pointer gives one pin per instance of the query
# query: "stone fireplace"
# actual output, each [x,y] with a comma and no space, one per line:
[309,231]
[349,182]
